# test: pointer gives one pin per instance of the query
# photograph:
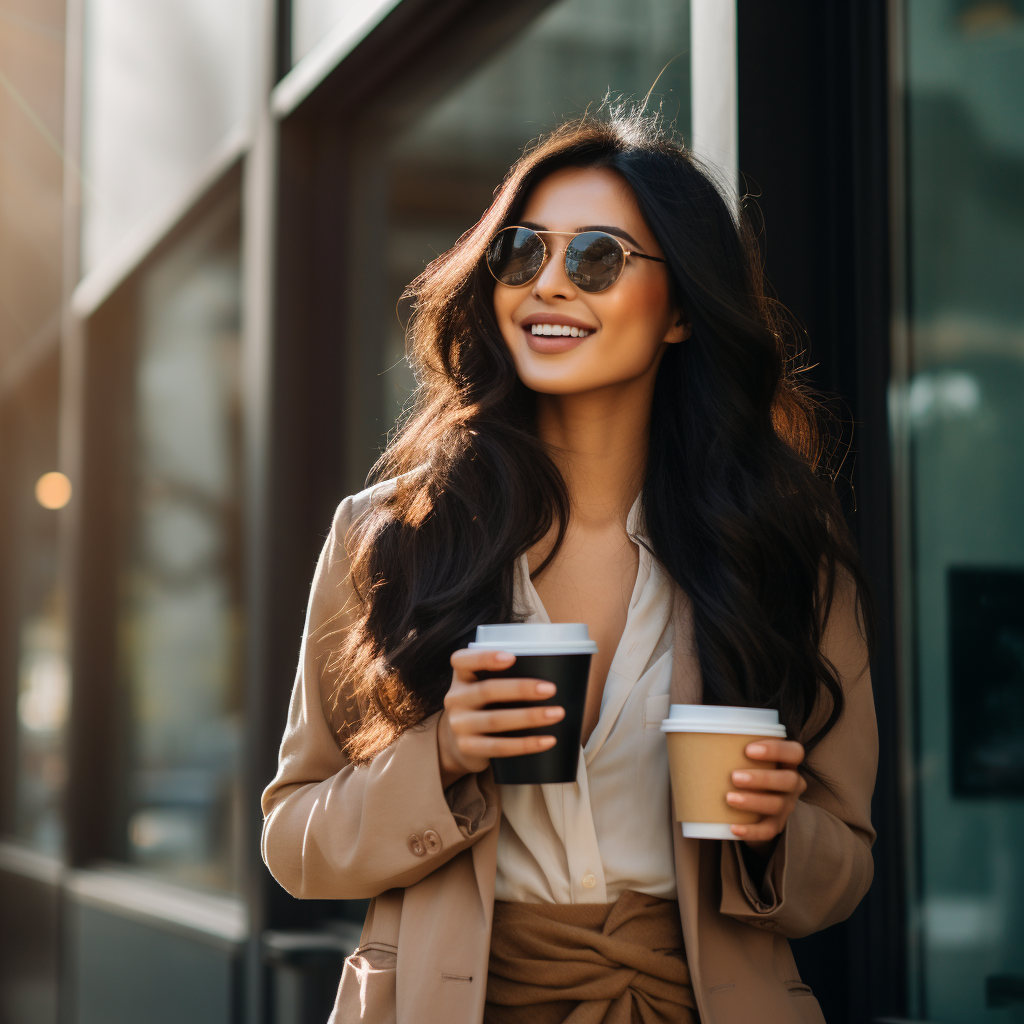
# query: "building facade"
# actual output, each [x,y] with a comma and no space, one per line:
[208,212]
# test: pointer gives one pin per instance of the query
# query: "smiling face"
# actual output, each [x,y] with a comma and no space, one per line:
[621,332]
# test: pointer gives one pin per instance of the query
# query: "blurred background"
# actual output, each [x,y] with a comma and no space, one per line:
[208,209]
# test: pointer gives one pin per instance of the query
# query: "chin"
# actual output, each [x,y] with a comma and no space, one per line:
[553,379]
[575,378]
[565,384]
[580,370]
[547,387]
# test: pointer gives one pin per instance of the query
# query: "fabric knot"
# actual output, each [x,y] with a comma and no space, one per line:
[585,963]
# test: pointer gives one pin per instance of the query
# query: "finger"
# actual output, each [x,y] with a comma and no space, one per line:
[468,662]
[500,691]
[759,832]
[778,780]
[757,803]
[476,723]
[488,747]
[784,751]
[473,695]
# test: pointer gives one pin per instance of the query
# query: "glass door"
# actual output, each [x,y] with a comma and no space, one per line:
[964,412]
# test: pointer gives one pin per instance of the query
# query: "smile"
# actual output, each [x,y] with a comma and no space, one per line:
[558,331]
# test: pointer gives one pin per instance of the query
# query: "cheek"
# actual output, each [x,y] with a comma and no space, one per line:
[505,302]
[639,312]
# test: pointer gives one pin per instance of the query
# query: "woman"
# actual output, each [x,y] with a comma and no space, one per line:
[606,430]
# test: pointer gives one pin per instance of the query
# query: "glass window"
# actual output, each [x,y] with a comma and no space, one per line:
[35,677]
[315,20]
[180,618]
[965,411]
[419,190]
[31,170]
[164,84]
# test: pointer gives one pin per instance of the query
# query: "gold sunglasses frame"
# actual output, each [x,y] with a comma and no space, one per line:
[626,253]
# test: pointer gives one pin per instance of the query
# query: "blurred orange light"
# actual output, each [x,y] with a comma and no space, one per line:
[53,490]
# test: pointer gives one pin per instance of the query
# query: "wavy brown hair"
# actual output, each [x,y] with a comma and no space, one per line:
[737,497]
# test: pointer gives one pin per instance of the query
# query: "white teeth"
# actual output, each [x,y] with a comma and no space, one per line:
[558,331]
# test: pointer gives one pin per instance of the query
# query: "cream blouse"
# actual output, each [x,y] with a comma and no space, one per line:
[610,830]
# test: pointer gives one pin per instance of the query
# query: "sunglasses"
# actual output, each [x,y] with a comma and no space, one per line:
[593,259]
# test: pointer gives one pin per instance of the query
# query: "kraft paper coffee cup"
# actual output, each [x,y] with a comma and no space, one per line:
[706,745]
[560,653]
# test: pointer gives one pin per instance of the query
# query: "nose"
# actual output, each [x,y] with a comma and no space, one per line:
[552,282]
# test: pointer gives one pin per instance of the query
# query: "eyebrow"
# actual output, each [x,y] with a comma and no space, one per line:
[611,229]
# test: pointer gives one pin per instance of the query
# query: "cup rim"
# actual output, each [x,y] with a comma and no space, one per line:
[722,718]
[568,647]
[534,638]
[724,728]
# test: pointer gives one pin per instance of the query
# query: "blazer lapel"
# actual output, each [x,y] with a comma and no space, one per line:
[685,688]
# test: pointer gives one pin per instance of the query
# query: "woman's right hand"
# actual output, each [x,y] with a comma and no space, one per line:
[463,735]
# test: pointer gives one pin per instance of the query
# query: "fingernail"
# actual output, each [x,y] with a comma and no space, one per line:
[734,798]
[547,741]
[505,658]
[756,749]
[741,776]
[545,689]
[739,830]
[552,713]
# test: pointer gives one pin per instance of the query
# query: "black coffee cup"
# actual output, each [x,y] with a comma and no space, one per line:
[559,653]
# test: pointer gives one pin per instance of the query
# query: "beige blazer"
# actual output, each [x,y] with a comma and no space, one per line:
[426,857]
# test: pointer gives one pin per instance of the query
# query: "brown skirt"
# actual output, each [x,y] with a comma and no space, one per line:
[589,963]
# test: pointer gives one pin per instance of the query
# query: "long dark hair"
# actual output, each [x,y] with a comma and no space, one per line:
[737,498]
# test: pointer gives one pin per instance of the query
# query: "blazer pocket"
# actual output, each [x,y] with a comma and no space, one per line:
[798,988]
[367,989]
[805,1004]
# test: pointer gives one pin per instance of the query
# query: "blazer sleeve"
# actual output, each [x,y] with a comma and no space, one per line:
[333,830]
[821,866]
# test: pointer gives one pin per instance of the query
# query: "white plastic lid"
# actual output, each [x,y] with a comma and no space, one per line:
[718,718]
[535,638]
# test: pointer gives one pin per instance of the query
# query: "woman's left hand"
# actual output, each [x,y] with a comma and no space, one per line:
[771,792]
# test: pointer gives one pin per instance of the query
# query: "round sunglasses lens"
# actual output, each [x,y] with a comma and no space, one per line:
[515,255]
[593,261]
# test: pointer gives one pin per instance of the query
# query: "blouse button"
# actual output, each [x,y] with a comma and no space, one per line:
[589,881]
[432,841]
[416,845]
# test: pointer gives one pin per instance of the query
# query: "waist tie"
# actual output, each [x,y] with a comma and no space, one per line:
[589,963]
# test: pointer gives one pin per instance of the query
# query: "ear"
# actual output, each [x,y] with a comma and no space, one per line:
[680,330]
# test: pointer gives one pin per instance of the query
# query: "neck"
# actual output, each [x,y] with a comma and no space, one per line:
[598,439]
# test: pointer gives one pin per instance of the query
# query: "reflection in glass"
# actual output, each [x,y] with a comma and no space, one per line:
[43,695]
[433,181]
[163,85]
[315,20]
[35,677]
[964,405]
[180,620]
